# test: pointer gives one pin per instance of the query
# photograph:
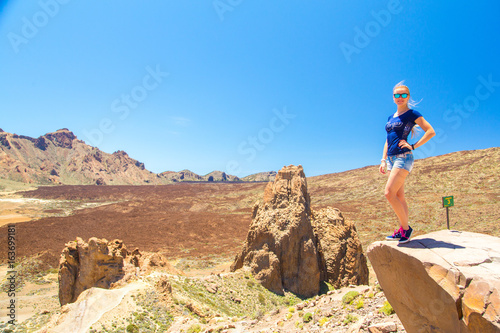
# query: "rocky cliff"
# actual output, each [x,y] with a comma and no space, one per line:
[288,249]
[445,281]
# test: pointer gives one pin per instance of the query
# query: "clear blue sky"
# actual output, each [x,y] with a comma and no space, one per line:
[247,86]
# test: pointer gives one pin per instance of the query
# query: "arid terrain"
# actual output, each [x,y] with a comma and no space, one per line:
[182,220]
[200,227]
[204,220]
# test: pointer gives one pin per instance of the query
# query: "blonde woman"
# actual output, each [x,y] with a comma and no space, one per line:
[397,156]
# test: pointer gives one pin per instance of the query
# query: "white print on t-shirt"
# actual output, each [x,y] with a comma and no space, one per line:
[392,125]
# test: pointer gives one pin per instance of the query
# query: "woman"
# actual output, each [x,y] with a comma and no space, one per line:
[398,157]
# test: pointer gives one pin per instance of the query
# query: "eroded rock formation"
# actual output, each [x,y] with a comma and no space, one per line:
[284,252]
[98,263]
[445,281]
[342,261]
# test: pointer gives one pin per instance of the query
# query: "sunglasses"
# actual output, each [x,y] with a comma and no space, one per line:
[400,95]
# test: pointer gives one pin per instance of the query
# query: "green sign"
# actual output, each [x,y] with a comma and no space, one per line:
[448,201]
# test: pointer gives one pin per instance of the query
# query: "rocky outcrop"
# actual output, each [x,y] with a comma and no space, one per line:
[98,263]
[282,249]
[62,138]
[4,142]
[342,261]
[446,281]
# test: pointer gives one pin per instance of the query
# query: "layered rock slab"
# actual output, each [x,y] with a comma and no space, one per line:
[288,249]
[445,281]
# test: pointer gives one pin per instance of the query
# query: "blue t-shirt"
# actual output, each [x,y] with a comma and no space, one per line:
[398,129]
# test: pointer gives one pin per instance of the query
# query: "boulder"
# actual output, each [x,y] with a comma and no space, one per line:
[153,261]
[445,281]
[282,250]
[386,327]
[98,263]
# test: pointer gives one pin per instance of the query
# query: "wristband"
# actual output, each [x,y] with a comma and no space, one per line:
[383,160]
[412,147]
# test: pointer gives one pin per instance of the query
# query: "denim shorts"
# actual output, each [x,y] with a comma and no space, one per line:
[400,161]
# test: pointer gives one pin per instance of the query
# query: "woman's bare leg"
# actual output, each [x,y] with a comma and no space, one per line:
[396,199]
[401,196]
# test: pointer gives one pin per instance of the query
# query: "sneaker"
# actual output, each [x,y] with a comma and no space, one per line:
[405,235]
[396,235]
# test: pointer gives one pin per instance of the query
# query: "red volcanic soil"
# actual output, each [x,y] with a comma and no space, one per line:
[181,220]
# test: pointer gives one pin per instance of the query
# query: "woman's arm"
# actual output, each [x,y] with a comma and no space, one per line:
[429,133]
[383,164]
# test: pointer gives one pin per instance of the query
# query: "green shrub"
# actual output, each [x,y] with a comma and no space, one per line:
[307,317]
[359,304]
[350,319]
[258,315]
[194,329]
[262,299]
[350,296]
[387,309]
[322,321]
[131,328]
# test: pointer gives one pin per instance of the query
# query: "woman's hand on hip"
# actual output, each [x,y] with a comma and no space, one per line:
[404,144]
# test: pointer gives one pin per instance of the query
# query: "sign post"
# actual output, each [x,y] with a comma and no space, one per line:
[447,203]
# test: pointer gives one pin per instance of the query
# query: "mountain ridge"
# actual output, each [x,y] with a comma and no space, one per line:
[60,158]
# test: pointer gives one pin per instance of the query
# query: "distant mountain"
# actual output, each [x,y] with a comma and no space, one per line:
[260,177]
[219,176]
[184,175]
[189,176]
[61,158]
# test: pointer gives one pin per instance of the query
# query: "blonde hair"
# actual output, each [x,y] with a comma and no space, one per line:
[410,104]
